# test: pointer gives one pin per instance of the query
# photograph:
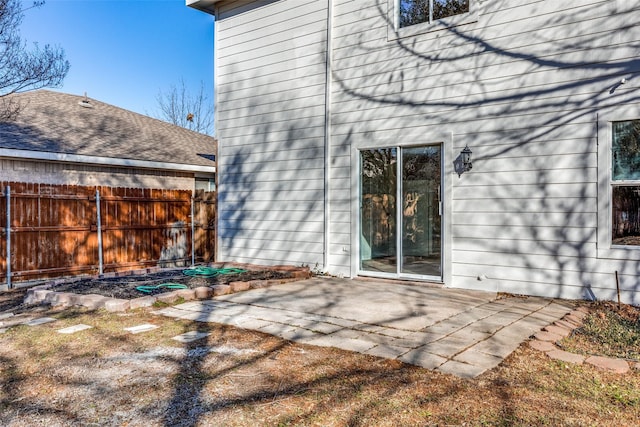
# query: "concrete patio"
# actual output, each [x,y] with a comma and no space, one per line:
[459,332]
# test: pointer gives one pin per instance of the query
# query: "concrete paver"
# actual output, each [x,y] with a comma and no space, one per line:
[254,324]
[324,328]
[291,333]
[406,343]
[395,333]
[487,325]
[449,346]
[138,329]
[478,358]
[456,331]
[73,329]
[356,345]
[40,321]
[469,336]
[422,337]
[386,351]
[336,341]
[461,369]
[190,336]
[422,357]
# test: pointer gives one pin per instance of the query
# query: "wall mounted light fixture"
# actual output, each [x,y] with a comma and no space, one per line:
[465,156]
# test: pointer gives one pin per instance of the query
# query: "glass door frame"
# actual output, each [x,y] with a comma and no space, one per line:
[446,168]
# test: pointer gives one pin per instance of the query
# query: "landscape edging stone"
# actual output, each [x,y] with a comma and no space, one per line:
[42,294]
[542,341]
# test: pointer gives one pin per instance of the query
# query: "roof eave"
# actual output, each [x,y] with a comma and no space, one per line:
[207,6]
[102,161]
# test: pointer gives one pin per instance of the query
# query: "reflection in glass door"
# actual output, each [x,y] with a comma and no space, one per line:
[421,211]
[400,219]
[378,210]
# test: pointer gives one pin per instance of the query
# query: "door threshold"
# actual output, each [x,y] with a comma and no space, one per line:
[398,281]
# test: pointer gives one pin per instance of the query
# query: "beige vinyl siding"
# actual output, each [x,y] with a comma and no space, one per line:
[523,87]
[270,98]
[59,173]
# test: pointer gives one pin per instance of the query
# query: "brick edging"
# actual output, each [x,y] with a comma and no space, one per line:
[546,339]
[42,294]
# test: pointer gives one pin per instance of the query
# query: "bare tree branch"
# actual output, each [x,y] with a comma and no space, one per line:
[181,108]
[22,69]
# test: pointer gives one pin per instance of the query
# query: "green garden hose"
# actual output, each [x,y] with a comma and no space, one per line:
[147,289]
[211,271]
[191,272]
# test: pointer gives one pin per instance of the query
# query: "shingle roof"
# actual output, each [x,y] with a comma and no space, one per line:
[63,123]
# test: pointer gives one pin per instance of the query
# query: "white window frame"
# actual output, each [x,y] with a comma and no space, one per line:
[606,118]
[445,140]
[395,32]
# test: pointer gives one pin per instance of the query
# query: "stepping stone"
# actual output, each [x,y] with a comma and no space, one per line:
[73,329]
[190,336]
[547,336]
[565,356]
[542,345]
[618,366]
[40,321]
[557,330]
[141,328]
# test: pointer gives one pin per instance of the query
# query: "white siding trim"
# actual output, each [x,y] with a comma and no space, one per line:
[449,153]
[327,138]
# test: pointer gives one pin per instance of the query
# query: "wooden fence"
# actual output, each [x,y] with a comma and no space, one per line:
[54,229]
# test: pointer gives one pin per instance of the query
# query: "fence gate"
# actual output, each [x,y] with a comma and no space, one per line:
[52,230]
[204,225]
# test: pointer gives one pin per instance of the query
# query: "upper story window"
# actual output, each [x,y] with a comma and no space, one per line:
[413,12]
[408,18]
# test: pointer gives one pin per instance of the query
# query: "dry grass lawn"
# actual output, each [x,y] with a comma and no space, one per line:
[106,376]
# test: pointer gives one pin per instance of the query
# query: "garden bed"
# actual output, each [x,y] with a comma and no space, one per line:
[142,288]
[135,286]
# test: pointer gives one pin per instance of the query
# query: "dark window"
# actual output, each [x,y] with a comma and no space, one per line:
[625,175]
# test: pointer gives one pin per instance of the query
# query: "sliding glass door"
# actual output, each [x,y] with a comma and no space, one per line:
[400,215]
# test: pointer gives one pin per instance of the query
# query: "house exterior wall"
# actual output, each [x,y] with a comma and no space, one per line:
[28,171]
[530,86]
[522,84]
[270,100]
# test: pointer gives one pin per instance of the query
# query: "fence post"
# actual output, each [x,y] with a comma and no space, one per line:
[193,235]
[7,193]
[99,228]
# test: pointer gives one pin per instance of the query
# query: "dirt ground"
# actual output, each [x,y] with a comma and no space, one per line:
[125,287]
[106,376]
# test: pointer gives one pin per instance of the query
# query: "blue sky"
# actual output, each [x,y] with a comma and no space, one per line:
[124,52]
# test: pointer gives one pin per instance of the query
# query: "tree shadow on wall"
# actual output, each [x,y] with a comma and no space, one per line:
[523,88]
